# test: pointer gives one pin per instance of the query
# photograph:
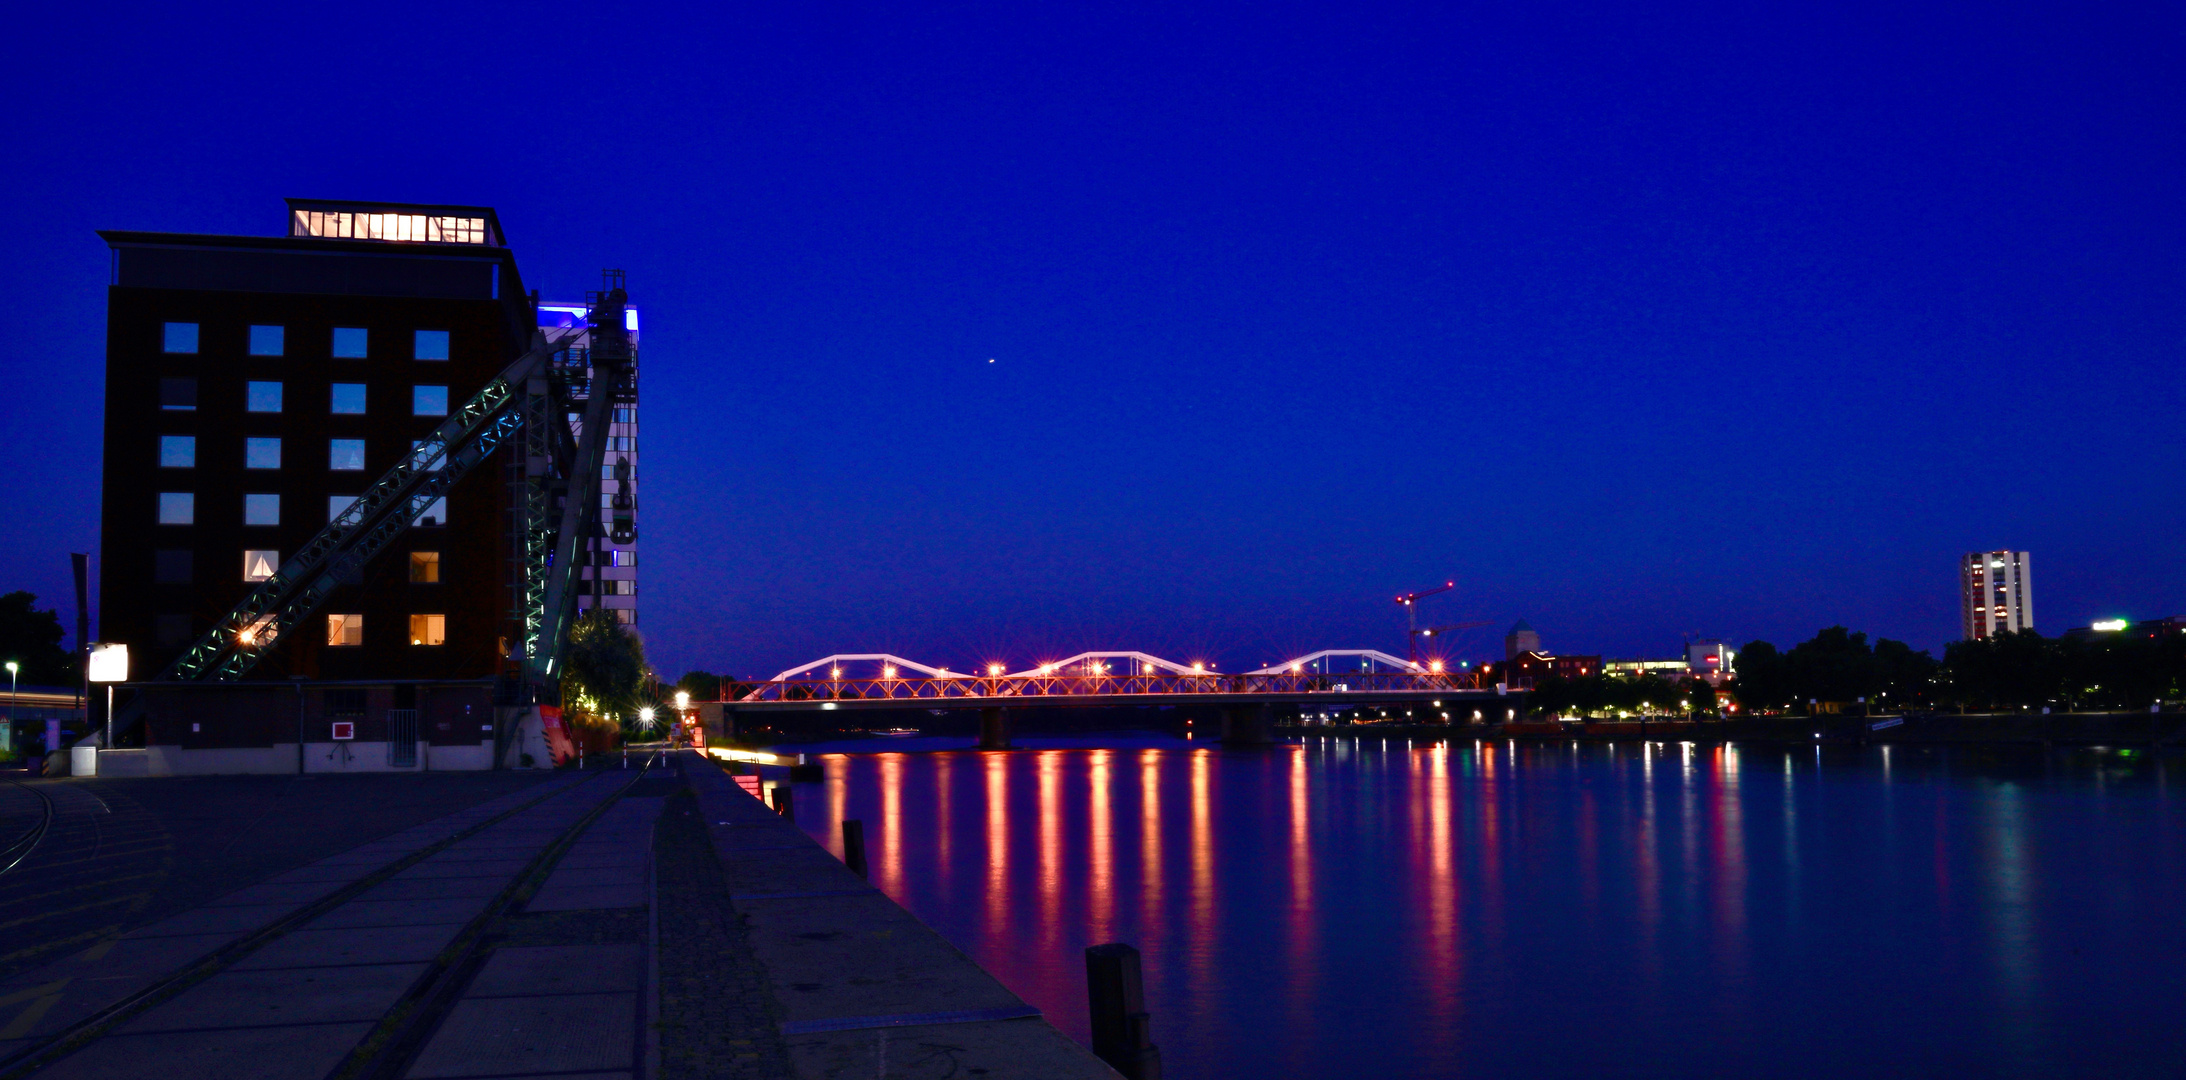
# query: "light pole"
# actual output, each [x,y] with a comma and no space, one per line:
[9,742]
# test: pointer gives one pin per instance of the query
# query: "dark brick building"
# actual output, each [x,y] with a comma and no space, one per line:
[254,384]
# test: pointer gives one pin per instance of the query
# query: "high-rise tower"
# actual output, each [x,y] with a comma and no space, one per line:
[1995,593]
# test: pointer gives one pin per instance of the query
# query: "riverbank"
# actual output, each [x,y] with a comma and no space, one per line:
[2143,729]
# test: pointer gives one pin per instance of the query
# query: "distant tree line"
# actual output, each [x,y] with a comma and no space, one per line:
[1612,694]
[2004,672]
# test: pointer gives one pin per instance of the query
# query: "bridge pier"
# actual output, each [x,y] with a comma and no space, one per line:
[994,729]
[1248,725]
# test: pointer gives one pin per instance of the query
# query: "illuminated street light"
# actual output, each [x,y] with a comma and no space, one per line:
[994,670]
[683,700]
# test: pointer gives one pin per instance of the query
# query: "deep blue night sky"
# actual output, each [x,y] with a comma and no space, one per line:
[1638,322]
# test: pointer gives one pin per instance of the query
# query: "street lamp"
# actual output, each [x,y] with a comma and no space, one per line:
[9,742]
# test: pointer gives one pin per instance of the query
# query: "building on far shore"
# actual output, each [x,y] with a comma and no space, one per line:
[2125,628]
[1995,593]
[1521,639]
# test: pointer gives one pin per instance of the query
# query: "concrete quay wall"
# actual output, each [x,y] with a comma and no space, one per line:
[862,985]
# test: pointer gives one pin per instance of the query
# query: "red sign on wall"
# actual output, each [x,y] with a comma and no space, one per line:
[345,729]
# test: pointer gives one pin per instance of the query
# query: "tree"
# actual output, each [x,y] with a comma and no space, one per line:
[1700,693]
[702,686]
[1833,665]
[32,638]
[603,666]
[1763,679]
[1908,679]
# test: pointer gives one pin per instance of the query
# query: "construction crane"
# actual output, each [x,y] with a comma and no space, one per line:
[1413,631]
[531,401]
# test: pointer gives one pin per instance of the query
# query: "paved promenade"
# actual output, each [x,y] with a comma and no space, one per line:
[610,924]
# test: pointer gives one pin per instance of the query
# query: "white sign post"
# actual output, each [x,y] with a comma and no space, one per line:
[109,665]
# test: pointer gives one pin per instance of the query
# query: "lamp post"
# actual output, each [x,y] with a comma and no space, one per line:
[9,742]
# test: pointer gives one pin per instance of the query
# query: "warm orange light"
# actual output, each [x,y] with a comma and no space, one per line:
[1434,665]
[994,669]
[888,671]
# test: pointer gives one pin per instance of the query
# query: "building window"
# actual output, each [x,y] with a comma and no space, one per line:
[172,631]
[345,455]
[177,508]
[335,504]
[345,703]
[425,567]
[178,395]
[350,342]
[260,565]
[267,340]
[172,566]
[619,557]
[428,629]
[180,337]
[436,514]
[261,453]
[408,228]
[432,345]
[178,451]
[344,630]
[626,415]
[626,616]
[265,397]
[349,399]
[428,400]
[261,509]
[435,465]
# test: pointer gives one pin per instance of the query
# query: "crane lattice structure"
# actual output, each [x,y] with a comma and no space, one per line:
[556,497]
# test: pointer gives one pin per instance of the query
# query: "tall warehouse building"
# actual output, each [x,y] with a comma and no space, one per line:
[257,386]
[1995,593]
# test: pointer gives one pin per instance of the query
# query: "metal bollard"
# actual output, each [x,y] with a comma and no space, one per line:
[854,846]
[1122,1034]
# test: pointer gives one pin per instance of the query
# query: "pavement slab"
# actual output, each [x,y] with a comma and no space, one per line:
[237,999]
[309,948]
[301,1052]
[557,1033]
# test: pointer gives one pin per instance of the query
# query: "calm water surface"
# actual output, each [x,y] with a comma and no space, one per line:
[1372,908]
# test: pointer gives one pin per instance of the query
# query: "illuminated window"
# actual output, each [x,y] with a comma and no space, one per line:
[436,514]
[431,345]
[178,451]
[345,455]
[350,342]
[265,397]
[428,629]
[267,340]
[180,337]
[261,453]
[260,565]
[335,504]
[178,395]
[261,509]
[425,567]
[177,508]
[619,557]
[626,616]
[403,228]
[344,630]
[428,400]
[348,399]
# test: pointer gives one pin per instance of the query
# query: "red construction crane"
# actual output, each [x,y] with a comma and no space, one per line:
[1413,631]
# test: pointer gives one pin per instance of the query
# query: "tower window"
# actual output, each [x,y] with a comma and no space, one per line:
[267,340]
[179,337]
[425,567]
[178,451]
[431,345]
[428,629]
[350,342]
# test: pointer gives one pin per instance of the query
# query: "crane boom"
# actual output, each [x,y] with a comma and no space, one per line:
[528,394]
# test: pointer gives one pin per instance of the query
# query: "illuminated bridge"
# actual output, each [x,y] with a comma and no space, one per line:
[1331,678]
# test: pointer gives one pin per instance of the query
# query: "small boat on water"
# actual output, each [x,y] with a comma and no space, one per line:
[895,732]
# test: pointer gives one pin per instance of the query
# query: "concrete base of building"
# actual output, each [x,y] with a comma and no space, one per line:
[280,759]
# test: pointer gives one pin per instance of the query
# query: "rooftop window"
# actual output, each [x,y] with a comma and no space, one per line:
[401,228]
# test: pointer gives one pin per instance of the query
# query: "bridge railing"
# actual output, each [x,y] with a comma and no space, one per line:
[1081,686]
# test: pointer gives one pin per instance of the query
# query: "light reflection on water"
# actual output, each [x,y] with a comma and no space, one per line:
[1431,909]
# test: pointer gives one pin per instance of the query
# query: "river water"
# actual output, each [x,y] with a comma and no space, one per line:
[1374,908]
